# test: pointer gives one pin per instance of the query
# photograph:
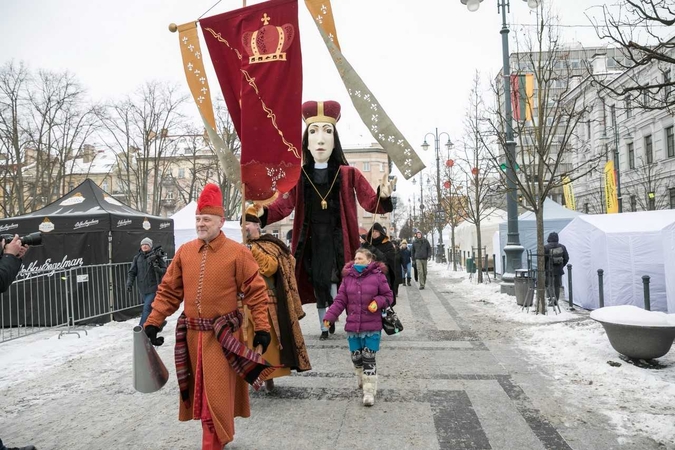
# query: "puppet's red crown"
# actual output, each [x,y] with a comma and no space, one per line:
[269,43]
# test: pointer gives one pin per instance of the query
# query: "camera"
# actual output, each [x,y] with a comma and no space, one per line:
[29,239]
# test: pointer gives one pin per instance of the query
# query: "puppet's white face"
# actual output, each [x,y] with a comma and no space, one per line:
[321,141]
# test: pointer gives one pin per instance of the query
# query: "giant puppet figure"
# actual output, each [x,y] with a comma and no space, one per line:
[325,227]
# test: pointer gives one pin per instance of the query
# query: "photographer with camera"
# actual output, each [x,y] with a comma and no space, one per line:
[10,264]
[147,268]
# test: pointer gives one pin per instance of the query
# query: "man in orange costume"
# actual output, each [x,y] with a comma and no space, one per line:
[212,364]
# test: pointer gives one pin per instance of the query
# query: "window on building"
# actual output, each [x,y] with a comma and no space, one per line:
[381,167]
[169,195]
[629,106]
[645,97]
[104,185]
[586,208]
[275,233]
[631,156]
[633,203]
[181,173]
[366,166]
[667,88]
[604,115]
[670,142]
[651,200]
[588,129]
[649,150]
[671,196]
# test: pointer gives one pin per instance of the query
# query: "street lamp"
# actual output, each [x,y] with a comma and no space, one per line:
[513,249]
[440,251]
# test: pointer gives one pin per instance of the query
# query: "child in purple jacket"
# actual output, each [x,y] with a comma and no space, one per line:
[364,292]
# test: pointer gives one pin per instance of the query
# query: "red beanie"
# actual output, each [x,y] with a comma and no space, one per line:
[211,201]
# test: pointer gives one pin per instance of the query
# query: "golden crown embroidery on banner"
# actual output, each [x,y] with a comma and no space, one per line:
[269,43]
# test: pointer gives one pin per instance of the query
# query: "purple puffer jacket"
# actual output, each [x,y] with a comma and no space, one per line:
[356,292]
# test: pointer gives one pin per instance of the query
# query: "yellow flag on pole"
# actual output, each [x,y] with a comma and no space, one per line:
[611,200]
[568,192]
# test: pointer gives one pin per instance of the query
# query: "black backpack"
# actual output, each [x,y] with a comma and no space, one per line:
[557,256]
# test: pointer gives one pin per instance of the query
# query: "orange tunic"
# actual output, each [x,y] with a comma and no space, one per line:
[229,269]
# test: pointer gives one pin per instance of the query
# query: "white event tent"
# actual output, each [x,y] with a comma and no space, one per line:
[184,226]
[556,217]
[466,236]
[626,246]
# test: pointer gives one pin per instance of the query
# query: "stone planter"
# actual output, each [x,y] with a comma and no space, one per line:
[639,341]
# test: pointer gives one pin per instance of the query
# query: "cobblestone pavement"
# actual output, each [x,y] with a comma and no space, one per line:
[445,382]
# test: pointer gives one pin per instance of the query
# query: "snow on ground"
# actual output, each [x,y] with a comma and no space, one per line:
[574,350]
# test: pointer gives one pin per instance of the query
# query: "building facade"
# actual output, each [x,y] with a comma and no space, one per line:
[640,142]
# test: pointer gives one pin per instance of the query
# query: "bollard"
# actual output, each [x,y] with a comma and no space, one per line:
[494,265]
[601,287]
[645,285]
[569,287]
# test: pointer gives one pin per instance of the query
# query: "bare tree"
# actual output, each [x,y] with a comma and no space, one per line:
[13,94]
[480,171]
[638,27]
[137,130]
[645,183]
[548,140]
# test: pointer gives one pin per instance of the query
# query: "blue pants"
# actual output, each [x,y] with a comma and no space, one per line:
[406,271]
[147,307]
[363,348]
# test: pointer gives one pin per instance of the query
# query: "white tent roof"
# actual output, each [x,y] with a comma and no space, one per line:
[626,246]
[552,210]
[556,217]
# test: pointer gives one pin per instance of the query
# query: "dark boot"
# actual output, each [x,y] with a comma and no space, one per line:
[324,336]
[409,282]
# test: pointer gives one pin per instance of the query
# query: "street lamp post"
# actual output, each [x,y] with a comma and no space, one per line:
[512,249]
[439,222]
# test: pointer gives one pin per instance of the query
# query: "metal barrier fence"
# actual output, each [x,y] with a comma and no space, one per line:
[67,299]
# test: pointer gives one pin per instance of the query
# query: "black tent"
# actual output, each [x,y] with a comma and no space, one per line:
[85,227]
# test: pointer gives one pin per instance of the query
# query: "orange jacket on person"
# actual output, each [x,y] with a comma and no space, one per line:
[230,268]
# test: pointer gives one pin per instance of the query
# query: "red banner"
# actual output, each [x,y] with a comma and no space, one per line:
[256,54]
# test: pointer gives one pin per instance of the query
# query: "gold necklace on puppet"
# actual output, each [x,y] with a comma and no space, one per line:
[324,203]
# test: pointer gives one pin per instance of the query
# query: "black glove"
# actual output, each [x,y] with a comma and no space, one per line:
[151,331]
[262,338]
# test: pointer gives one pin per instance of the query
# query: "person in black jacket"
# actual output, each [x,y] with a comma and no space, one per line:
[421,253]
[381,247]
[10,265]
[555,259]
[147,268]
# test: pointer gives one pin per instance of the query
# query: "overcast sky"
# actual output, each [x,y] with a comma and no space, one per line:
[417,56]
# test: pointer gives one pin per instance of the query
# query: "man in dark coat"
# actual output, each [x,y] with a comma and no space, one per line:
[421,253]
[147,268]
[556,258]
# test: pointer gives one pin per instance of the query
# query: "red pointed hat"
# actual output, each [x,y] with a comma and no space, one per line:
[328,111]
[211,201]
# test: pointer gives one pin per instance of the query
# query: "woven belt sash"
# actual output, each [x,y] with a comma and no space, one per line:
[247,363]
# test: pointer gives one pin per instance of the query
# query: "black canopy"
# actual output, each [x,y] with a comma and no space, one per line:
[86,227]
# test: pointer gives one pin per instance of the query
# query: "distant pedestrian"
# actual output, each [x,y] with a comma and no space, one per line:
[556,258]
[406,261]
[421,253]
[364,292]
[147,268]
